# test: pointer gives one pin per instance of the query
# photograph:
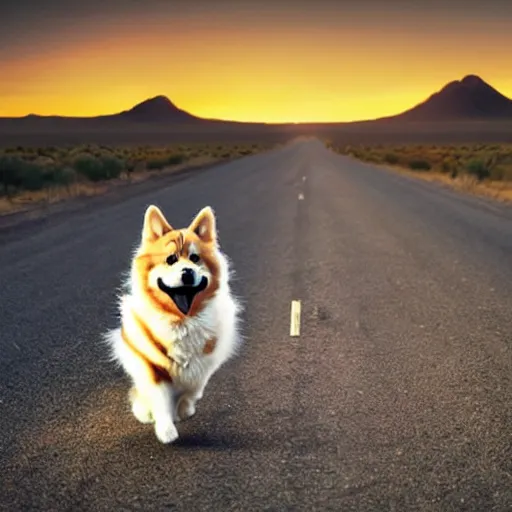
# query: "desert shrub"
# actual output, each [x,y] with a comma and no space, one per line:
[33,177]
[176,159]
[479,169]
[449,165]
[371,156]
[99,168]
[10,173]
[88,166]
[112,166]
[19,174]
[391,158]
[49,151]
[62,175]
[130,165]
[156,163]
[58,175]
[77,151]
[420,165]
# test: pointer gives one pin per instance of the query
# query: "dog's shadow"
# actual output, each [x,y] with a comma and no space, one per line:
[201,441]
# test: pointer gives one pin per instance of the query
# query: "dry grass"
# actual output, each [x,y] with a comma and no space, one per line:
[26,200]
[35,177]
[480,169]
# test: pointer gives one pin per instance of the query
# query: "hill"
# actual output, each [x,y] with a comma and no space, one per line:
[157,110]
[469,98]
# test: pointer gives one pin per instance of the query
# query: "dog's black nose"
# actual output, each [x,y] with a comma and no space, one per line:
[187,276]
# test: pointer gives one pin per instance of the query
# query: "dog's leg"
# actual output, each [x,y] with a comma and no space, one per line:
[154,403]
[186,406]
[153,400]
[162,409]
[141,408]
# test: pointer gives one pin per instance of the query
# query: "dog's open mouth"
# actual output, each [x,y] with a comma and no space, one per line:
[183,296]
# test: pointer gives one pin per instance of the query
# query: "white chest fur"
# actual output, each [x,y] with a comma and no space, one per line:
[186,341]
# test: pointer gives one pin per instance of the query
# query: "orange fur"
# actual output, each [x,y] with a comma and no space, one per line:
[157,371]
[209,346]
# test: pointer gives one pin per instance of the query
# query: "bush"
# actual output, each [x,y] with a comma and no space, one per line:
[112,166]
[88,166]
[100,168]
[391,158]
[176,159]
[59,175]
[156,163]
[130,165]
[420,165]
[449,165]
[18,174]
[373,157]
[10,171]
[32,176]
[479,169]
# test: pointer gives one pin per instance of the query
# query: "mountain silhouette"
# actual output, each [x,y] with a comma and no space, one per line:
[158,109]
[469,98]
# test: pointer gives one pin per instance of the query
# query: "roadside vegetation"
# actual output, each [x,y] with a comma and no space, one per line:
[34,176]
[480,168]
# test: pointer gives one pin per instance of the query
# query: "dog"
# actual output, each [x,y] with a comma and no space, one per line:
[179,319]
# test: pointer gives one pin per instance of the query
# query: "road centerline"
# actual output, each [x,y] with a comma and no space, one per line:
[295,312]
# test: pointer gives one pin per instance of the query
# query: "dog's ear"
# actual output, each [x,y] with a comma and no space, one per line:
[204,225]
[155,224]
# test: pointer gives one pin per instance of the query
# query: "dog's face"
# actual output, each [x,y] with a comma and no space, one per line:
[177,269]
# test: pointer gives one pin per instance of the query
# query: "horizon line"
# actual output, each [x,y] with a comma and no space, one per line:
[222,120]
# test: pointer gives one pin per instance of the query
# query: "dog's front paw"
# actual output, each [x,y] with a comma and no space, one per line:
[166,432]
[142,412]
[186,408]
[140,408]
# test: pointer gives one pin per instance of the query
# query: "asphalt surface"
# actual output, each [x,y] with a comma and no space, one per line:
[396,396]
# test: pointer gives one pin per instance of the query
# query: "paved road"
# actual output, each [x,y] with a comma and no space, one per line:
[396,396]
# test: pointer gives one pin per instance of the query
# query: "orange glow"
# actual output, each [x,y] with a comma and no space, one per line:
[276,75]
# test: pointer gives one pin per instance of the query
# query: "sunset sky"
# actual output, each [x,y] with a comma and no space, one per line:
[254,60]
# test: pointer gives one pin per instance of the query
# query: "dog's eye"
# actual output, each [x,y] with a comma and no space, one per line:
[172,259]
[194,258]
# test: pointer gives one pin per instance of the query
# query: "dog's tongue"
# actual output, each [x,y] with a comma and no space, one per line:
[183,301]
[184,295]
